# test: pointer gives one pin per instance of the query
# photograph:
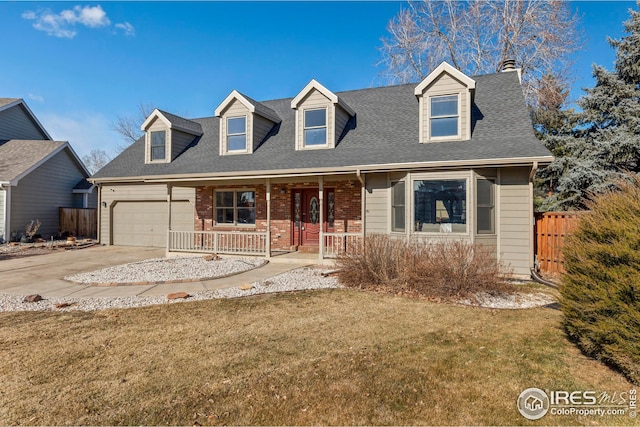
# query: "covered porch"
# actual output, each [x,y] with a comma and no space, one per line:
[319,216]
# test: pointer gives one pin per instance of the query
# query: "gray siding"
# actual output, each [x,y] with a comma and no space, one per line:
[16,123]
[261,128]
[40,194]
[377,203]
[179,141]
[93,199]
[515,223]
[2,218]
[112,194]
[342,118]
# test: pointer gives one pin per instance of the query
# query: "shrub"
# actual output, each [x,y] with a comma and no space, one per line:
[601,286]
[439,269]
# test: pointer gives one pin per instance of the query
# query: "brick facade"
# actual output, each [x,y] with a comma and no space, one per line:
[347,210]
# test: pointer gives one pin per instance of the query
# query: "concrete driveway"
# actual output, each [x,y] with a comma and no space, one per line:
[43,274]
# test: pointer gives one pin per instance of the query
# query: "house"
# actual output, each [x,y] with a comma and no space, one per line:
[37,175]
[452,157]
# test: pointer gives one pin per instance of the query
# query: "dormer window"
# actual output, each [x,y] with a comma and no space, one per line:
[321,117]
[445,99]
[166,136]
[315,127]
[444,116]
[237,133]
[158,145]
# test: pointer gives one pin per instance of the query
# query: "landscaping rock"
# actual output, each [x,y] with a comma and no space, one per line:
[245,287]
[212,257]
[32,298]
[64,304]
[178,295]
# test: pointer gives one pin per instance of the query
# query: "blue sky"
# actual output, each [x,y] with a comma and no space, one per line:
[80,64]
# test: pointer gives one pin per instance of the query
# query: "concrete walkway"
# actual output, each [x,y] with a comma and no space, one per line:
[42,274]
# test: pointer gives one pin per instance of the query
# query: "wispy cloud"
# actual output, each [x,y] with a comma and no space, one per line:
[127,28]
[65,23]
[85,130]
[38,98]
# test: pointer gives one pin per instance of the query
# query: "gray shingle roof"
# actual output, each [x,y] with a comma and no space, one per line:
[83,184]
[18,156]
[180,122]
[384,131]
[261,109]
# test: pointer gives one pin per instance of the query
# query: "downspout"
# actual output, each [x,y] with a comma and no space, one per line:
[533,262]
[4,236]
[363,200]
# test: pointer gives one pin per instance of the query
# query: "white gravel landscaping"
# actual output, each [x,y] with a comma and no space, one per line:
[510,301]
[304,278]
[168,269]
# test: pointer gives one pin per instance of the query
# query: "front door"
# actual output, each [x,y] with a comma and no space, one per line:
[306,216]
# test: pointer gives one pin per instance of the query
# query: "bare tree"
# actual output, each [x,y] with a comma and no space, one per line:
[476,37]
[96,160]
[129,126]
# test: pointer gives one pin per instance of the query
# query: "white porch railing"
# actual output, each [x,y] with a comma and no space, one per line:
[220,242]
[337,244]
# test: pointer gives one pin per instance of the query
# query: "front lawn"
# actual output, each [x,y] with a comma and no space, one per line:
[330,357]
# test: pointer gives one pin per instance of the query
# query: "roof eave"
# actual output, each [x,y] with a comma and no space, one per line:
[281,173]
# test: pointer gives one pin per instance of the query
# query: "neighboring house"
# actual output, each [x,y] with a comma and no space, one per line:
[449,158]
[37,175]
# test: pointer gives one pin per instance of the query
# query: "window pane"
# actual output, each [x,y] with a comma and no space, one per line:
[485,220]
[246,216]
[444,127]
[397,209]
[245,199]
[157,153]
[444,106]
[485,193]
[237,142]
[236,125]
[224,199]
[438,202]
[315,136]
[313,118]
[224,215]
[157,139]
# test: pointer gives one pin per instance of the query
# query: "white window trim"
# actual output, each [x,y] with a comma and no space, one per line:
[235,224]
[457,136]
[304,128]
[470,221]
[246,135]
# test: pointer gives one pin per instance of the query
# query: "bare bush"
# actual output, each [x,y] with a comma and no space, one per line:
[439,269]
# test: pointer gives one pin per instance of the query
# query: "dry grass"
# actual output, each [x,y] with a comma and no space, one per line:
[334,357]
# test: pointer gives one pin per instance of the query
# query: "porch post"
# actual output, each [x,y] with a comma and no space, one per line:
[321,196]
[268,248]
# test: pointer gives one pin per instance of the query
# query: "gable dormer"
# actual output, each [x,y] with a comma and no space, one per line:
[167,135]
[321,117]
[445,99]
[244,123]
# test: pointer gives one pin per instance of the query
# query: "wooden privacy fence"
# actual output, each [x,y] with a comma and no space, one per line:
[551,229]
[79,222]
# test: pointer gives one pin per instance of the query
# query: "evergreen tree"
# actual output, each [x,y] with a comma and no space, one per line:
[598,145]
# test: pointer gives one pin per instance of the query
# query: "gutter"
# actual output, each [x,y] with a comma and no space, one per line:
[288,173]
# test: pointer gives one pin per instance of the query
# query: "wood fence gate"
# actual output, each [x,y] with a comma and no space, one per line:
[551,229]
[79,222]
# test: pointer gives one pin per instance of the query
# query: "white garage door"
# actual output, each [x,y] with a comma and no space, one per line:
[145,223]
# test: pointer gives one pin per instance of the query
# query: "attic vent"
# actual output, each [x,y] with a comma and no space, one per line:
[508,65]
